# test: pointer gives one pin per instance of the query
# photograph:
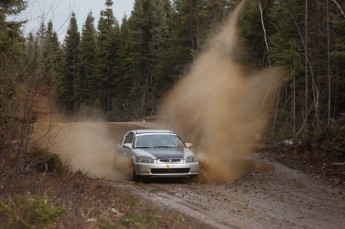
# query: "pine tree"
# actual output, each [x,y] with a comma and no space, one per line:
[337,58]
[51,55]
[16,93]
[162,52]
[107,45]
[210,15]
[32,53]
[12,50]
[86,80]
[66,94]
[121,102]
[185,24]
[10,32]
[139,55]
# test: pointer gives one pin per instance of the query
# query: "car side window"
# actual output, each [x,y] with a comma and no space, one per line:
[121,141]
[129,138]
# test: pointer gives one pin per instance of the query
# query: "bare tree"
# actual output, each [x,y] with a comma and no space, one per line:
[328,69]
[294,98]
[264,29]
[306,68]
[341,10]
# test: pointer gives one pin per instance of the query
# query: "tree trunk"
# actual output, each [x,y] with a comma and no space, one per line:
[294,99]
[341,10]
[328,70]
[306,70]
[264,30]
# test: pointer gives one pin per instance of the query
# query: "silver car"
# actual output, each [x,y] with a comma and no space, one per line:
[158,153]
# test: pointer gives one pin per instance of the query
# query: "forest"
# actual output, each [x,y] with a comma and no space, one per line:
[122,70]
[116,71]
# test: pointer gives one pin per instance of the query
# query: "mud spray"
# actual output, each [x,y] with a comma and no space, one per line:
[85,146]
[220,106]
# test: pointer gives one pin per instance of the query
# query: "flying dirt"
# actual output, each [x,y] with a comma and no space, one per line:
[88,146]
[219,105]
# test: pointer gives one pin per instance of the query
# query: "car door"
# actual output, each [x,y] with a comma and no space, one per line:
[128,139]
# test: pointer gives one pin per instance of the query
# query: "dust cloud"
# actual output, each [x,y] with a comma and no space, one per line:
[220,106]
[88,147]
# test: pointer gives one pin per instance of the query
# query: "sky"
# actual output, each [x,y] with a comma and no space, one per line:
[59,11]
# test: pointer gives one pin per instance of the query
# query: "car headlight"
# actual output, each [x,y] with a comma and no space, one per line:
[144,159]
[191,159]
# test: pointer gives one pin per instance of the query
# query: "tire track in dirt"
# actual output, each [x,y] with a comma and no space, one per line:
[167,201]
[284,198]
[278,198]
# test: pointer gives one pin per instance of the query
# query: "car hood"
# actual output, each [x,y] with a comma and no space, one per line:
[163,153]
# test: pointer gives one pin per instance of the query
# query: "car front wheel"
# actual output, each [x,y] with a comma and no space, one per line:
[132,175]
[192,179]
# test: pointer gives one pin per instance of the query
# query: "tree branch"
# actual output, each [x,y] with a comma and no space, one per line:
[264,29]
[341,10]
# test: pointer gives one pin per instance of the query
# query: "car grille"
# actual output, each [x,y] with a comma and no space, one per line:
[170,160]
[170,170]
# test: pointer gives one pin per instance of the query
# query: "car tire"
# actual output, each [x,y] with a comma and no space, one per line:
[146,179]
[192,179]
[132,175]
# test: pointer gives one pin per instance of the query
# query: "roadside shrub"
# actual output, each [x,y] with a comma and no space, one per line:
[332,138]
[43,160]
[131,220]
[29,211]
[90,113]
[144,218]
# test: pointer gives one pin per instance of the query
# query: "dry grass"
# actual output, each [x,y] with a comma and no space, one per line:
[87,203]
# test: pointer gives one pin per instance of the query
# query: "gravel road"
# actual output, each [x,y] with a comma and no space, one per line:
[282,198]
[277,197]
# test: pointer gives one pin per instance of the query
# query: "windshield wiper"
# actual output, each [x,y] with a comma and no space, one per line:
[142,147]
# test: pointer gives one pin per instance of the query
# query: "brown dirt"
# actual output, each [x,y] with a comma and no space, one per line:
[264,198]
[330,166]
[268,195]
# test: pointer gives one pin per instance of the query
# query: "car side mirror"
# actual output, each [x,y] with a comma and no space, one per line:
[189,145]
[127,146]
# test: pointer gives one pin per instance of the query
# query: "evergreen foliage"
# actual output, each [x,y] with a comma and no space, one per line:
[86,80]
[67,90]
[30,211]
[13,75]
[124,69]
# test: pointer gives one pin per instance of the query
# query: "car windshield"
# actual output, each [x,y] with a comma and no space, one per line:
[158,141]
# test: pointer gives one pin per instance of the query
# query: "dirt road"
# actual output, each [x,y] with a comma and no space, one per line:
[262,198]
[279,198]
[284,198]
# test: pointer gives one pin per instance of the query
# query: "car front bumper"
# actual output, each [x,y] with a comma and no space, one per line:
[167,169]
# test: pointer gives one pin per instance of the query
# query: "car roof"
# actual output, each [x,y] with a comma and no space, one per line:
[152,131]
